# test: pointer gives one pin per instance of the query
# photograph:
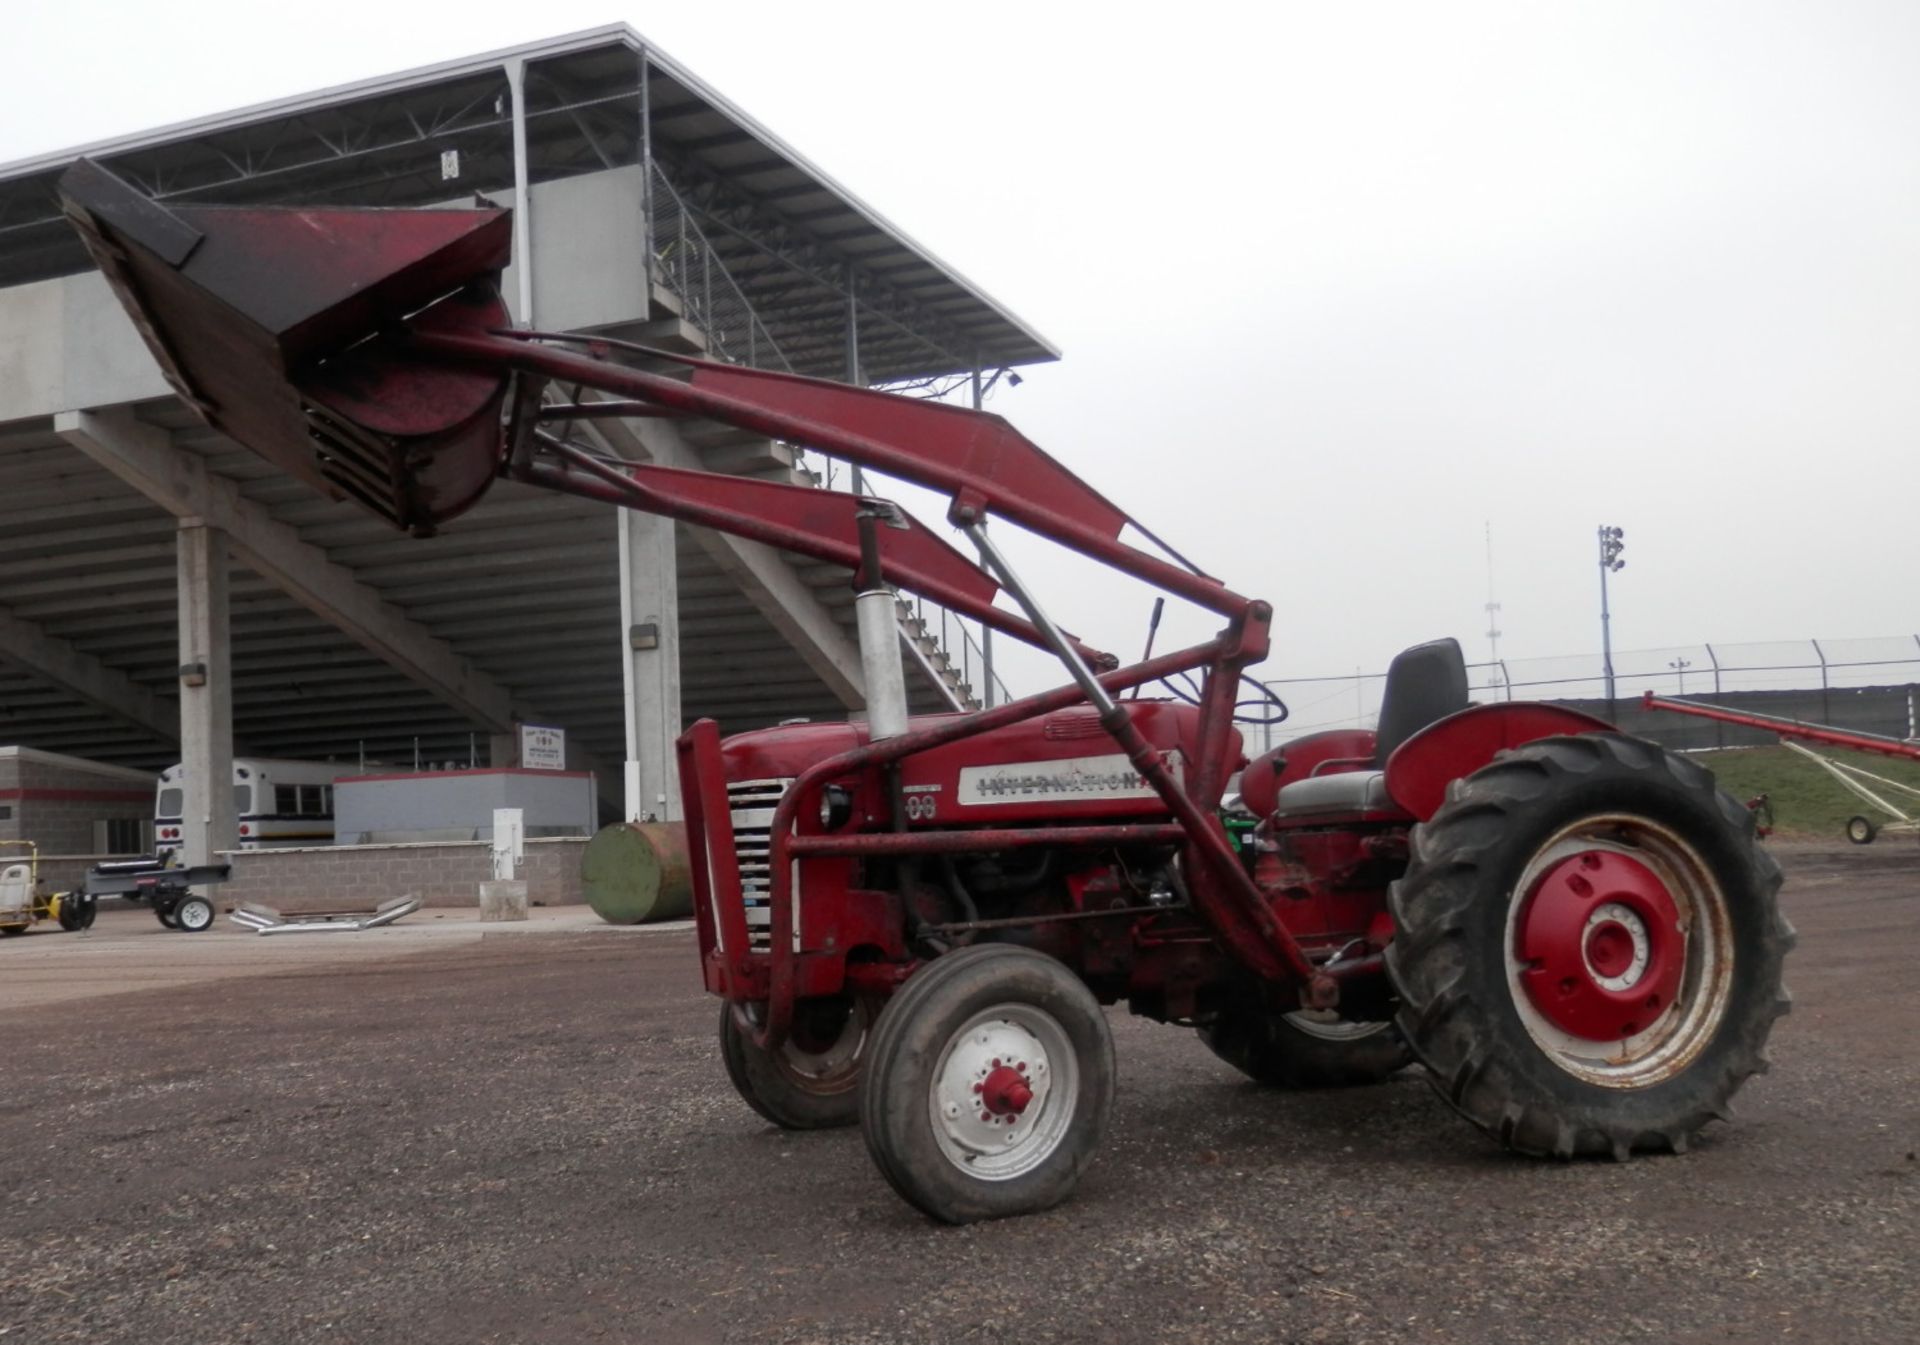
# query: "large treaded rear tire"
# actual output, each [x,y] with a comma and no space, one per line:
[1466,1006]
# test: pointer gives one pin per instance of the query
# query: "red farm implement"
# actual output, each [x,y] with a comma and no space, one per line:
[1876,791]
[914,923]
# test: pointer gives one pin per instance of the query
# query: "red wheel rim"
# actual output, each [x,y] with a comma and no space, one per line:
[1619,950]
[1603,945]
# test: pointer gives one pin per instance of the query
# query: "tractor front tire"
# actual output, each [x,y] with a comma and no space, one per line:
[1305,1049]
[1588,948]
[990,1084]
[12,931]
[812,1081]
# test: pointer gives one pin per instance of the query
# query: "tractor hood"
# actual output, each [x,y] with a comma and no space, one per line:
[1061,766]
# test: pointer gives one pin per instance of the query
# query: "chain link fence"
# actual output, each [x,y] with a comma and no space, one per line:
[1871,685]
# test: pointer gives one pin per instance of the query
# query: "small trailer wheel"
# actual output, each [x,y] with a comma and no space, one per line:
[164,914]
[989,1084]
[193,915]
[812,1082]
[1861,830]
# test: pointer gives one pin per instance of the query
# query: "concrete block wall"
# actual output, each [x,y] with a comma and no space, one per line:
[63,873]
[441,873]
[54,801]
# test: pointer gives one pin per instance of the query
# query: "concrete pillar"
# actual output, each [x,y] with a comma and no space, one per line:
[206,694]
[650,640]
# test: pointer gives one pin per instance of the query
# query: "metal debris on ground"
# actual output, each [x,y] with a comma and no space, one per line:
[266,920]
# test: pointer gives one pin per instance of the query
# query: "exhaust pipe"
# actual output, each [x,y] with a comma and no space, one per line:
[879,627]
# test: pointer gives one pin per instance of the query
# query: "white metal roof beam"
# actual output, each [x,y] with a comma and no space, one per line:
[146,458]
[27,646]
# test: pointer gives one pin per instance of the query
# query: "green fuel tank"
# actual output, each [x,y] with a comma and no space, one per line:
[634,872]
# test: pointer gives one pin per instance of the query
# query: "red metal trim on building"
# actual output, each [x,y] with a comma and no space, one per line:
[478,770]
[79,795]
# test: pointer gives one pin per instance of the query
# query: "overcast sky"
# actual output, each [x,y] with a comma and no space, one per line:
[1339,285]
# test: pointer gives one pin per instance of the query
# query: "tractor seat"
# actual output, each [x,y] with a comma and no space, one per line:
[1425,684]
[1344,792]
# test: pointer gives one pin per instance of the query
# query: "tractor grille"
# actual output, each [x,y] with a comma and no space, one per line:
[751,804]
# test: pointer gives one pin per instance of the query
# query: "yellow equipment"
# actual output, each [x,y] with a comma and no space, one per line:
[22,903]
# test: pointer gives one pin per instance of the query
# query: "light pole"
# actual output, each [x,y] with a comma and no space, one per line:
[1680,666]
[1611,546]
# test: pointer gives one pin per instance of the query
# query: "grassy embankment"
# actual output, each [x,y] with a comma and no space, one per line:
[1807,801]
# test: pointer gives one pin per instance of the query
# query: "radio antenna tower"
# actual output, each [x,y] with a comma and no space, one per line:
[1497,678]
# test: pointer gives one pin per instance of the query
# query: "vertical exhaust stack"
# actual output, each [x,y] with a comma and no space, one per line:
[879,627]
[282,328]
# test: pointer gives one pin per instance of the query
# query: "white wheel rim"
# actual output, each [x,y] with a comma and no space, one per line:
[194,915]
[1000,1144]
[1328,1025]
[828,1070]
[1666,1046]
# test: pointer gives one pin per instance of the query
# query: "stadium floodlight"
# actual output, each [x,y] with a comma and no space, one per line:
[1612,543]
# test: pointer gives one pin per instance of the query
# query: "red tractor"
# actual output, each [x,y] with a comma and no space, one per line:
[915,923]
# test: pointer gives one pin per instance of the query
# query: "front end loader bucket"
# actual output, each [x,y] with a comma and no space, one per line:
[280,327]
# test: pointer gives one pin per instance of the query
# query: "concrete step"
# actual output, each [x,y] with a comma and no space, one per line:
[749,459]
[672,334]
[665,303]
[713,434]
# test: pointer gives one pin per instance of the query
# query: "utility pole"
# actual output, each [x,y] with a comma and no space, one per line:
[1680,666]
[1611,546]
[1495,681]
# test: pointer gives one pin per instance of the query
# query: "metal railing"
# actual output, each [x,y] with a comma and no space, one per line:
[1864,683]
[685,262]
[687,265]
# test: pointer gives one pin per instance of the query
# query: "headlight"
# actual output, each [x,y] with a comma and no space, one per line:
[836,806]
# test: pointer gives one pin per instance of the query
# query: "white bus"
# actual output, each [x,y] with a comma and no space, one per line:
[277,803]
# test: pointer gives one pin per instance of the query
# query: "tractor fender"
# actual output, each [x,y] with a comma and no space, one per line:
[1422,767]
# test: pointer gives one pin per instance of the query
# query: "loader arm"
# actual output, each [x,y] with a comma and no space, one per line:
[369,354]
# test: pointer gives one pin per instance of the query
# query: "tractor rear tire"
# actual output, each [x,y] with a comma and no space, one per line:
[990,1084]
[1588,948]
[1861,830]
[1305,1050]
[812,1082]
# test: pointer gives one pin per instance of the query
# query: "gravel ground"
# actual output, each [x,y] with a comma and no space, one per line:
[530,1138]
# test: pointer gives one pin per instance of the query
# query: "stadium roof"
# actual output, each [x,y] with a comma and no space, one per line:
[517,604]
[796,245]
